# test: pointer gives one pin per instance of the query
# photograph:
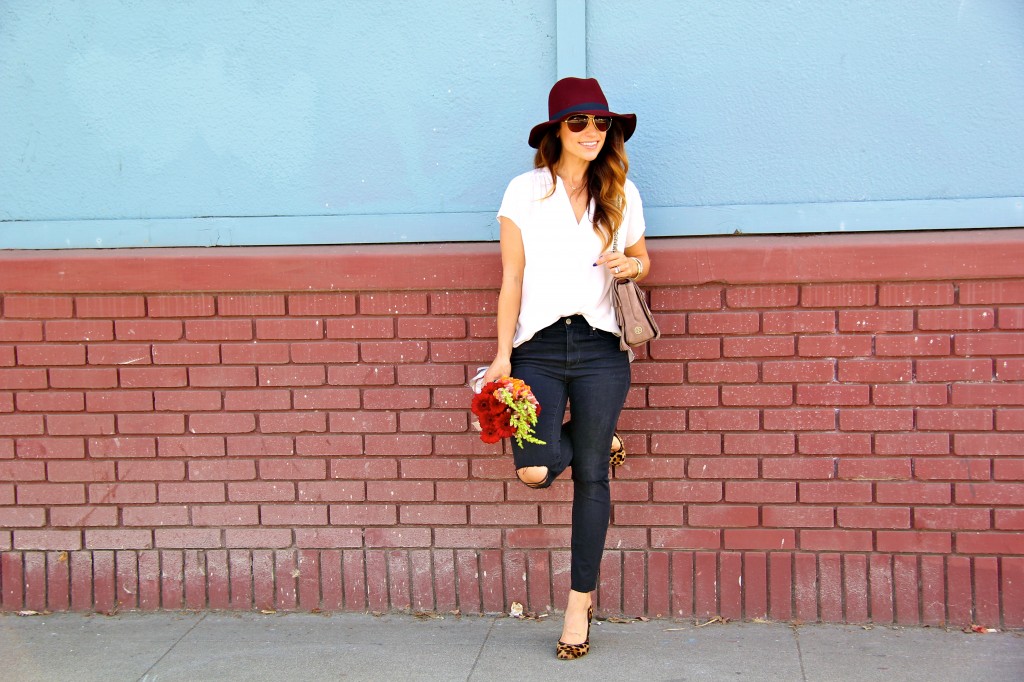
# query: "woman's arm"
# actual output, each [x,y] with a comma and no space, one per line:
[513,262]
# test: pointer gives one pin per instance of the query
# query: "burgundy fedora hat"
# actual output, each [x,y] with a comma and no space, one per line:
[578,96]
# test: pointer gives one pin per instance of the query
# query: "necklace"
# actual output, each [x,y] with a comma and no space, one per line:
[572,187]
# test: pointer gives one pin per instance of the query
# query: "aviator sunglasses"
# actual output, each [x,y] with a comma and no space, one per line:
[577,123]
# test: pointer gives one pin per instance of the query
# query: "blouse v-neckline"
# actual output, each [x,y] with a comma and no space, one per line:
[572,207]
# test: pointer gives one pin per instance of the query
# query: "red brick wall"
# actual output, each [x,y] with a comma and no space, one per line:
[831,429]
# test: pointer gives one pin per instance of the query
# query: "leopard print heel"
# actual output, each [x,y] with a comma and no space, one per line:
[617,457]
[570,652]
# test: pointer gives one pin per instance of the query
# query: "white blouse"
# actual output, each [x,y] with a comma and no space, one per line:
[560,278]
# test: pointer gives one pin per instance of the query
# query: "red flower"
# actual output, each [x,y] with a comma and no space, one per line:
[489,437]
[506,408]
[481,403]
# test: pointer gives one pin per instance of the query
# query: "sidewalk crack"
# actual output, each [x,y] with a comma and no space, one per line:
[481,651]
[800,654]
[145,675]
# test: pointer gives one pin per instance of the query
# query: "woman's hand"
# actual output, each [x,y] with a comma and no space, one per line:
[501,367]
[626,262]
[619,265]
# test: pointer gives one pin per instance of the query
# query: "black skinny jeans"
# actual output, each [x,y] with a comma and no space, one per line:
[570,361]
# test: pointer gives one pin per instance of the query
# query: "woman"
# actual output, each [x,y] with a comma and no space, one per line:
[556,327]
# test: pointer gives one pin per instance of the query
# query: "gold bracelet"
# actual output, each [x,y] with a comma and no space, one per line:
[639,267]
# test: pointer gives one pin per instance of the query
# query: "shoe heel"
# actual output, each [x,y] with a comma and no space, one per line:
[617,457]
[570,652]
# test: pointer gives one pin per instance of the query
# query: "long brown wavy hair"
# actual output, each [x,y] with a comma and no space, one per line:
[606,178]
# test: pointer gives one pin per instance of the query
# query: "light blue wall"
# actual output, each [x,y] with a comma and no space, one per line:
[152,123]
[162,112]
[818,102]
[820,116]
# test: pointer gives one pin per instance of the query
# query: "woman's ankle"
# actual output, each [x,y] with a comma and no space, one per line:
[579,600]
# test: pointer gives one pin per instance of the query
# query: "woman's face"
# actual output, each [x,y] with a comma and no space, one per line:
[585,145]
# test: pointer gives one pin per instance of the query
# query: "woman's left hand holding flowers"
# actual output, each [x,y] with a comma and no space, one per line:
[501,367]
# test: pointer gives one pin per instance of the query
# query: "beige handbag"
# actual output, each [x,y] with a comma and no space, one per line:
[631,311]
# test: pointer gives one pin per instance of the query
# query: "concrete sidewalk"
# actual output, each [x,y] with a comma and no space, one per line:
[248,646]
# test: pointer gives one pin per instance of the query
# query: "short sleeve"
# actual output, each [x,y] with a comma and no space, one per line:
[512,203]
[634,218]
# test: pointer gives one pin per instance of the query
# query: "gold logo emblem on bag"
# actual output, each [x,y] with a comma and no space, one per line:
[638,330]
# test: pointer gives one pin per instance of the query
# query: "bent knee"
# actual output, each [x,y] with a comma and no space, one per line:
[535,477]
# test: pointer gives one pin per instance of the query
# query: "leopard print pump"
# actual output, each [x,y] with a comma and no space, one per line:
[569,652]
[617,457]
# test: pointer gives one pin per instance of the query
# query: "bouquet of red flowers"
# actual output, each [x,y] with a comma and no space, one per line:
[506,408]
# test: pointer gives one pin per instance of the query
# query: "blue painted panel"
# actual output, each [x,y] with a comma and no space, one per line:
[150,123]
[743,102]
[154,109]
[571,20]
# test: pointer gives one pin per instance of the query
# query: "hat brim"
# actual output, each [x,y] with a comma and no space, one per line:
[626,121]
